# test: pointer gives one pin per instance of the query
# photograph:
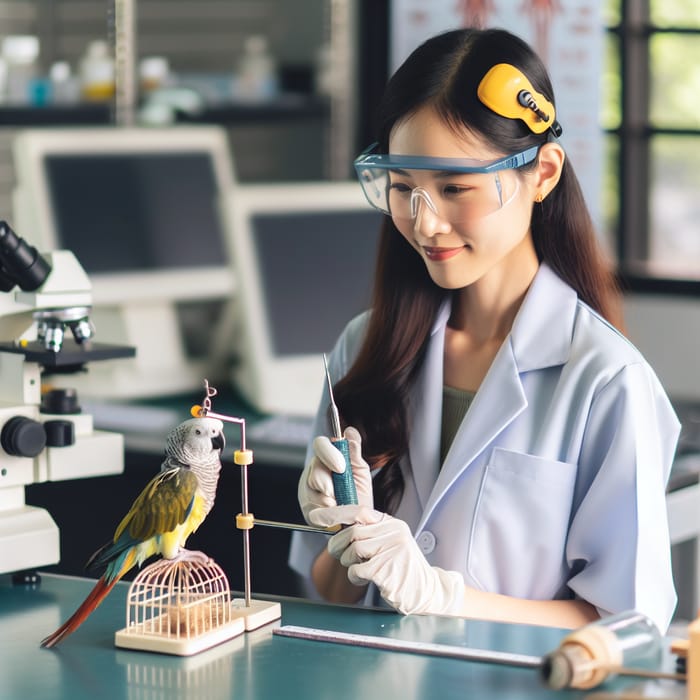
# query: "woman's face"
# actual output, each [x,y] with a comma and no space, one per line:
[463,225]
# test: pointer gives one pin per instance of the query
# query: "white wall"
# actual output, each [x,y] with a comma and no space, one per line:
[666,329]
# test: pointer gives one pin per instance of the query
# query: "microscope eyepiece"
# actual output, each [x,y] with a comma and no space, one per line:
[20,263]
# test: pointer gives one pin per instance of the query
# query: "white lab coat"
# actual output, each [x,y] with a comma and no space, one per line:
[554,486]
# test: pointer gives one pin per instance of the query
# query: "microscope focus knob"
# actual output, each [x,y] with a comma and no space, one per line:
[59,433]
[22,437]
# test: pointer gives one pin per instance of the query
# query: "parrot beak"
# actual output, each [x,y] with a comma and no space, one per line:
[218,442]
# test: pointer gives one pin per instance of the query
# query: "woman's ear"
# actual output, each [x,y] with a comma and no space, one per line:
[550,162]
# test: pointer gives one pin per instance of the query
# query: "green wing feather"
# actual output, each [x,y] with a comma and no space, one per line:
[163,504]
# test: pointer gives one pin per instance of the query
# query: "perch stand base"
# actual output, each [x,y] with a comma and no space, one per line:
[259,613]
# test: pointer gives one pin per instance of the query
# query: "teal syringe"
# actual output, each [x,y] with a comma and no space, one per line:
[343,484]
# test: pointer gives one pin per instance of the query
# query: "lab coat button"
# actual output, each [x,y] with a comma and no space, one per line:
[426,542]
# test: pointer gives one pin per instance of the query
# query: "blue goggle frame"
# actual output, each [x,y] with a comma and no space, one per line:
[371,159]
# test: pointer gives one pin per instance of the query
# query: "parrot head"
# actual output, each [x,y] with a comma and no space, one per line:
[196,441]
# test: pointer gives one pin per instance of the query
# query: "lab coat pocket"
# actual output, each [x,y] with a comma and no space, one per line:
[520,525]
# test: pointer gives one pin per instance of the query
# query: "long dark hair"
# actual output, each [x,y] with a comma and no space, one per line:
[444,73]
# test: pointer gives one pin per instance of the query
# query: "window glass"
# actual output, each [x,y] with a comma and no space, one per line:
[611,13]
[674,243]
[675,81]
[675,13]
[611,82]
[610,196]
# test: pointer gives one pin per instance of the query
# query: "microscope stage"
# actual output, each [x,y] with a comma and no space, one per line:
[71,354]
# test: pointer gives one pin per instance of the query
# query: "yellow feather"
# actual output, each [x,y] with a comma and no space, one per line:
[161,506]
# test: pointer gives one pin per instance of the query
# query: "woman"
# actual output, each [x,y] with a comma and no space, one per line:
[509,446]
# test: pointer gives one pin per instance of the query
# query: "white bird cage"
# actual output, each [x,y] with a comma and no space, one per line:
[179,607]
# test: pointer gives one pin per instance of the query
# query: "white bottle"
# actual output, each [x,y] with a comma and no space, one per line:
[256,77]
[154,73]
[20,54]
[97,72]
[64,85]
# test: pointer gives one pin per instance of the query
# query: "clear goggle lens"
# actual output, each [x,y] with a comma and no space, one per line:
[461,199]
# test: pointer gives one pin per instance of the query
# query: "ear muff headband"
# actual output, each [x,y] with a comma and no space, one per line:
[506,91]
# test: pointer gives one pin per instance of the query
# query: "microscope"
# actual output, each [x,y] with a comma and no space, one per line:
[45,329]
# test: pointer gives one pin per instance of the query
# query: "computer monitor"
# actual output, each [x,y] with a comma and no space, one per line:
[140,209]
[304,257]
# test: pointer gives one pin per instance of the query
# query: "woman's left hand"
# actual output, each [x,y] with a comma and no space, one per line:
[380,549]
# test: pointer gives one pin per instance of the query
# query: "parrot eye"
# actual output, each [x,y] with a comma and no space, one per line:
[198,431]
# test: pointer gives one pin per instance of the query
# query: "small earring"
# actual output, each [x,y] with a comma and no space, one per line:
[539,197]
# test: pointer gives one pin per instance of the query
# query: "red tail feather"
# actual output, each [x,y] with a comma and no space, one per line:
[95,597]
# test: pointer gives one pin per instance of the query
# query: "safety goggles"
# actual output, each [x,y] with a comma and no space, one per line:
[458,190]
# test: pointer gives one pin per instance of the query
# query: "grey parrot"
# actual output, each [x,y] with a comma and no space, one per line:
[170,508]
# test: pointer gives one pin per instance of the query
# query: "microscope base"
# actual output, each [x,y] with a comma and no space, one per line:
[28,539]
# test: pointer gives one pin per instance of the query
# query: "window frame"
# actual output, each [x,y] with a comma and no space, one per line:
[635,135]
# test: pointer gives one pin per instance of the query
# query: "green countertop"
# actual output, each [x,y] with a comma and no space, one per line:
[256,664]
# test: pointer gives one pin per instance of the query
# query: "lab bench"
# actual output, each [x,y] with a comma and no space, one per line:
[259,664]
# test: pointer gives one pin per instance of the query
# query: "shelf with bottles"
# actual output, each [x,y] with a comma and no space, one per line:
[257,91]
[282,108]
[197,98]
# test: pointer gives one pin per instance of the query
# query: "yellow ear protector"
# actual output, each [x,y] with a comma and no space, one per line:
[506,91]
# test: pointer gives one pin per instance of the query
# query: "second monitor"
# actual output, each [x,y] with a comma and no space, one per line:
[304,256]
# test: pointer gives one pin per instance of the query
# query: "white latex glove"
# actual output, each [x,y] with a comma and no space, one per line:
[380,549]
[315,489]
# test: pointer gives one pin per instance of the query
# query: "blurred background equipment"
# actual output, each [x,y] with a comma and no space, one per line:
[140,208]
[304,259]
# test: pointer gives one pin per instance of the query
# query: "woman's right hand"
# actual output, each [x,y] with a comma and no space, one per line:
[315,488]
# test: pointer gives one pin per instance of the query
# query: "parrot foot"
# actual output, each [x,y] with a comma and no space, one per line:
[192,555]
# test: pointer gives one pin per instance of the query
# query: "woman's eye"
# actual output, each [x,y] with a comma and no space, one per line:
[456,190]
[400,187]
